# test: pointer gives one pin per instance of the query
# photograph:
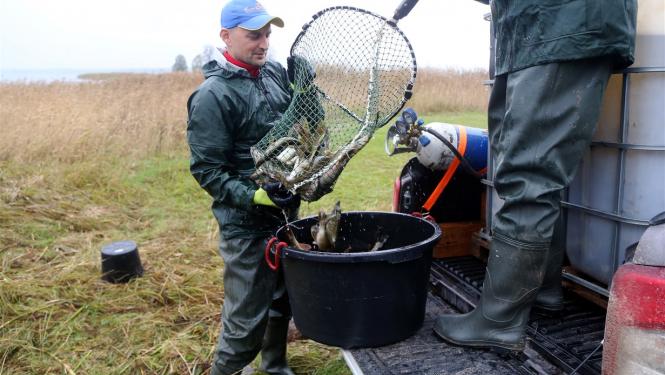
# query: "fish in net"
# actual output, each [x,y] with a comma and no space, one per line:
[351,72]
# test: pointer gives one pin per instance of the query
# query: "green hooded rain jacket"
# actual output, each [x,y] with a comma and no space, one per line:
[228,113]
[537,32]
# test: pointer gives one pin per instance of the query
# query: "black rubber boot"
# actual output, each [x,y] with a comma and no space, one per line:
[273,351]
[550,295]
[514,274]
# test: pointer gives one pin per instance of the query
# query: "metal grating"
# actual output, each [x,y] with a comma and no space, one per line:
[426,354]
[566,339]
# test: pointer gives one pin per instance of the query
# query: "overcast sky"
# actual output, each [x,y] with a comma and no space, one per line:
[147,34]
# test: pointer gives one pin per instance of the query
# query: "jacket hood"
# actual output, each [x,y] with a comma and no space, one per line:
[223,69]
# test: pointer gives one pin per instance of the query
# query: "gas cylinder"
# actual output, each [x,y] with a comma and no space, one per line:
[436,155]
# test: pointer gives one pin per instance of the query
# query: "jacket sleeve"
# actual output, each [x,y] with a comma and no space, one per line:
[210,138]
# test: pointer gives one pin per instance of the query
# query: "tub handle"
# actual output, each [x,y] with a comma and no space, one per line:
[278,249]
[424,215]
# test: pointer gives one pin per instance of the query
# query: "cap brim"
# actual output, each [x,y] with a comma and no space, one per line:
[259,22]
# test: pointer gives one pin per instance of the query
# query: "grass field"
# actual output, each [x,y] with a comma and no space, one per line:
[84,165]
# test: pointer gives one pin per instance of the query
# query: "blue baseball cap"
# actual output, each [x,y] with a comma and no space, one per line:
[247,14]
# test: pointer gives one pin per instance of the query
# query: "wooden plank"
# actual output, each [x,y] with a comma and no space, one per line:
[583,292]
[480,246]
[483,207]
[456,238]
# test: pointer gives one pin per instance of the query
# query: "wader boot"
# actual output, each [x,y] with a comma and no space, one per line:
[550,295]
[540,121]
[273,351]
[514,274]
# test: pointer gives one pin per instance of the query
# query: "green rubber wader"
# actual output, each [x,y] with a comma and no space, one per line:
[541,120]
[512,279]
[253,294]
[550,294]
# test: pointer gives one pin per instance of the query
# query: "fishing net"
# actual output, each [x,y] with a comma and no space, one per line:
[351,72]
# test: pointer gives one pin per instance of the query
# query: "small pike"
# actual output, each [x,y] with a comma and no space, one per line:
[325,232]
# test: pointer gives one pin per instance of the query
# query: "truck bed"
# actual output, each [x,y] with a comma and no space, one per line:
[556,344]
[426,354]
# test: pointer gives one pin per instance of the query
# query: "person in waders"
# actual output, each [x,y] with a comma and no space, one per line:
[553,62]
[242,96]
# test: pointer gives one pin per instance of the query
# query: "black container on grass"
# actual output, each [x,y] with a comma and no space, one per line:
[121,262]
[361,299]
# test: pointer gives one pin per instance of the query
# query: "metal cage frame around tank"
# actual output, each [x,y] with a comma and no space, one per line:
[623,147]
[615,216]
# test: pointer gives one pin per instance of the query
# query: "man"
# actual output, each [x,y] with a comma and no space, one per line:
[240,99]
[553,61]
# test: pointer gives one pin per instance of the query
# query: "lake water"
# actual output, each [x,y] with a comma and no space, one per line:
[67,75]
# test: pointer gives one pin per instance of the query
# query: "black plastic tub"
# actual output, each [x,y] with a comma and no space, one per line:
[361,299]
[121,262]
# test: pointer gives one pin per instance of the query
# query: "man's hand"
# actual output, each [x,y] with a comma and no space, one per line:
[301,73]
[275,195]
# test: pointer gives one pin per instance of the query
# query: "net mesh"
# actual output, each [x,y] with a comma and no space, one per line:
[352,71]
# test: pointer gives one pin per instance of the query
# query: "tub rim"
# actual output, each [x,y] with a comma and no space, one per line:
[395,255]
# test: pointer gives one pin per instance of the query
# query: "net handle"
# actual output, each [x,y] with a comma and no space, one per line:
[403,9]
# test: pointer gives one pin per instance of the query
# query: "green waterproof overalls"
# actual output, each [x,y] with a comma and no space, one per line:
[228,113]
[553,62]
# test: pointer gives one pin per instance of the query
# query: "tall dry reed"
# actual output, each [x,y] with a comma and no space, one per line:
[141,115]
[450,91]
[133,115]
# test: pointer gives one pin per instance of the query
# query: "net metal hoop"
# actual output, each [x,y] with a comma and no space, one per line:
[348,83]
[408,92]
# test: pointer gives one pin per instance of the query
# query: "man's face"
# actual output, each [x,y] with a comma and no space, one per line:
[250,47]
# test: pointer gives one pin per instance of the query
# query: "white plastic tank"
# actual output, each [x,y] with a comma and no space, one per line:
[620,184]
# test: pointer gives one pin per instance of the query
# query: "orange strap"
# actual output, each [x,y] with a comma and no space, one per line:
[449,173]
